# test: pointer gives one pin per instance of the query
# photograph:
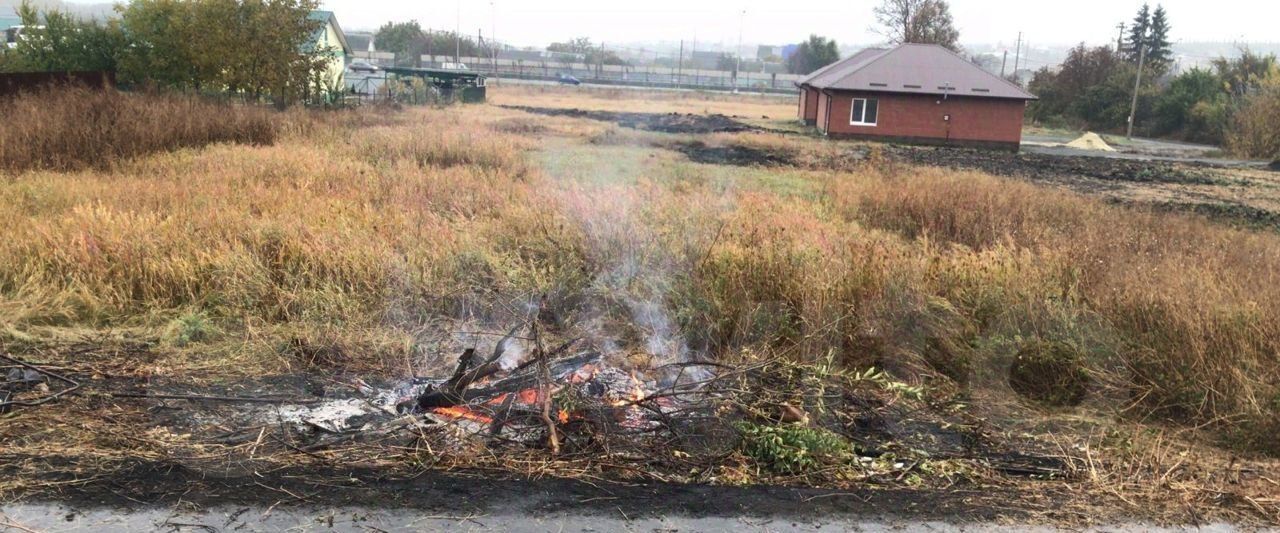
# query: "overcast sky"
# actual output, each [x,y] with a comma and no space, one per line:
[536,22]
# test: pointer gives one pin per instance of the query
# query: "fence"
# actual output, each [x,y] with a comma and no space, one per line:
[647,76]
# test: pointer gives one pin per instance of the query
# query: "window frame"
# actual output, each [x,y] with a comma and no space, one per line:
[861,120]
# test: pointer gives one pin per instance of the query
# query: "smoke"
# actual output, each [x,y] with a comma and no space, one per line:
[513,352]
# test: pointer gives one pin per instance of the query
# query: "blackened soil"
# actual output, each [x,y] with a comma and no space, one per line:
[660,122]
[466,492]
[743,156]
[1047,166]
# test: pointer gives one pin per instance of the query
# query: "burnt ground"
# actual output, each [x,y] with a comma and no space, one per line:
[463,492]
[681,123]
[1221,192]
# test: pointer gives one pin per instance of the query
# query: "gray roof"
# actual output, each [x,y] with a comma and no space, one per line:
[916,69]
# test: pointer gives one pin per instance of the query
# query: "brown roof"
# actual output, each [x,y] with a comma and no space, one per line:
[916,69]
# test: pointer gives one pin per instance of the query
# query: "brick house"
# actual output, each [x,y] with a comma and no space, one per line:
[914,93]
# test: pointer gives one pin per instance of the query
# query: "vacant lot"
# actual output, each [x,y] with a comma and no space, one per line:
[1136,348]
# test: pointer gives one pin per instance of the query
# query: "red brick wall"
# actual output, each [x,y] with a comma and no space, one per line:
[808,110]
[922,116]
[822,111]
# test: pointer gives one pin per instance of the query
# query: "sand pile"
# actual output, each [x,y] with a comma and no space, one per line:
[1091,141]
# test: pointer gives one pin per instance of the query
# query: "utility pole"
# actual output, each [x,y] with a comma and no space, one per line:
[493,35]
[680,64]
[693,57]
[457,35]
[1137,82]
[1120,39]
[1003,61]
[1017,55]
[738,66]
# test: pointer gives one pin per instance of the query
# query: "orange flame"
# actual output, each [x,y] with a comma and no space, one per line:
[462,412]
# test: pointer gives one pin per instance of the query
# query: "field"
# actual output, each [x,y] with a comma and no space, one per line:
[1134,343]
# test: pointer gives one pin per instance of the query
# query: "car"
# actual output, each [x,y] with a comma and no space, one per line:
[567,79]
[362,66]
[454,66]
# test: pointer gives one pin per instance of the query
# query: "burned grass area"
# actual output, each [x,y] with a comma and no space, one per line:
[679,123]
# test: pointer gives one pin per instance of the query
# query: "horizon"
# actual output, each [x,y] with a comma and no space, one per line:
[717,23]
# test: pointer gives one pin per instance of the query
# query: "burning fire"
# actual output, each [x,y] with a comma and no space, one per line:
[462,412]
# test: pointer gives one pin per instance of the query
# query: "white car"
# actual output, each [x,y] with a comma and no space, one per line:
[454,66]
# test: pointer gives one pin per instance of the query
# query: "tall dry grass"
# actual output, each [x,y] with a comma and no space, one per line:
[72,128]
[345,242]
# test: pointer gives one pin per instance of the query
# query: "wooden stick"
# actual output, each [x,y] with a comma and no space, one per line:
[544,392]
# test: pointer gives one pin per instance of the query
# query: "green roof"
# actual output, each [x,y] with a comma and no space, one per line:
[328,17]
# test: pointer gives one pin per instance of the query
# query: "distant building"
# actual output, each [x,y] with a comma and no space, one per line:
[361,42]
[915,93]
[332,43]
[765,51]
[705,59]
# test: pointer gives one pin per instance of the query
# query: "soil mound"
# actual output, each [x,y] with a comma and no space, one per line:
[1091,141]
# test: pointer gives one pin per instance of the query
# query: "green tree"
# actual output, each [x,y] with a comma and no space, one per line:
[1138,33]
[813,54]
[1194,106]
[405,39]
[56,41]
[918,21]
[258,48]
[1159,50]
[1059,89]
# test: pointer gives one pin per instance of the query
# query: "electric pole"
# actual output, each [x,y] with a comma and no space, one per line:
[1003,61]
[493,35]
[1017,55]
[1120,39]
[1137,82]
[680,64]
[738,66]
[457,35]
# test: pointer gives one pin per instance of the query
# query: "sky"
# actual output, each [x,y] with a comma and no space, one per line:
[538,22]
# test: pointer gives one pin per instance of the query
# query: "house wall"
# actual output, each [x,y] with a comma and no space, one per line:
[337,60]
[808,108]
[820,115]
[973,120]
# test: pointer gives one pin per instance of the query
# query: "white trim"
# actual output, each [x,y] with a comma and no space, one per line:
[859,122]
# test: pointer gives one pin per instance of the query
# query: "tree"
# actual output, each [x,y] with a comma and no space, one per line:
[1244,74]
[813,54]
[918,21]
[592,54]
[1159,50]
[1138,33]
[404,39]
[55,40]
[1194,106]
[1255,129]
[1083,69]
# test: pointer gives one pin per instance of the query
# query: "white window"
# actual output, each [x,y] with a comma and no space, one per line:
[864,111]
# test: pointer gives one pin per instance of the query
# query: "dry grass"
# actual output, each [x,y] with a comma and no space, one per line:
[74,128]
[342,245]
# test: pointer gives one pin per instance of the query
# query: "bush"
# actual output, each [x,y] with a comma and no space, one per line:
[1049,373]
[793,449]
[72,128]
[1255,128]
